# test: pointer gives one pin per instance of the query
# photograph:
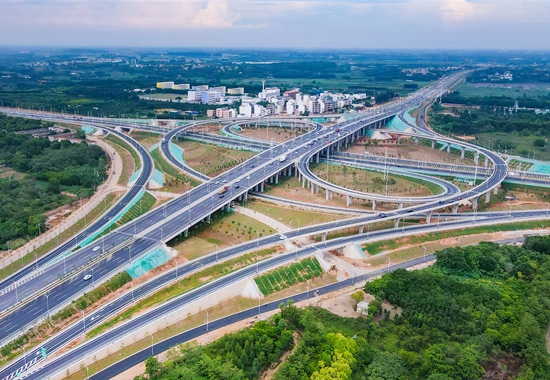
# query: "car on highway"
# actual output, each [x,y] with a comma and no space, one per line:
[87,277]
[282,237]
[381,215]
[96,248]
[410,210]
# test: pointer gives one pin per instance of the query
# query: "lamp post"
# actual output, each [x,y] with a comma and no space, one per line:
[24,354]
[47,303]
[510,213]
[206,311]
[424,256]
[152,343]
[83,319]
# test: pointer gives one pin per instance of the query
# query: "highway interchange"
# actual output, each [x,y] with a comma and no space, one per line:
[163,223]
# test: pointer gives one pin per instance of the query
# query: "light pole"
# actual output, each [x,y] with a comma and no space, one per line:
[83,320]
[510,213]
[93,280]
[87,373]
[16,296]
[152,343]
[206,311]
[177,264]
[132,283]
[24,354]
[424,257]
[47,303]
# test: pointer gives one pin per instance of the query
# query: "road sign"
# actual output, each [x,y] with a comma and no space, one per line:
[43,352]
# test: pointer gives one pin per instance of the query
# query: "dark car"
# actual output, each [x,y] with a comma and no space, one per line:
[381,215]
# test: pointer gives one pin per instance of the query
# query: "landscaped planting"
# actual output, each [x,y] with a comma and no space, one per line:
[285,277]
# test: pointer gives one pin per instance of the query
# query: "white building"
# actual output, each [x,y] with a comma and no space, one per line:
[269,92]
[236,91]
[200,88]
[245,110]
[220,89]
[193,96]
[165,85]
[183,86]
[209,97]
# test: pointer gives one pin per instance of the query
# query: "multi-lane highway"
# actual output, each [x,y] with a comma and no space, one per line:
[178,215]
[14,288]
[98,317]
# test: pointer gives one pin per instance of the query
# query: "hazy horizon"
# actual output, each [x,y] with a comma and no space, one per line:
[278,24]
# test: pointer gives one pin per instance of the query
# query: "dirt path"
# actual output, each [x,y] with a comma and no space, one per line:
[270,372]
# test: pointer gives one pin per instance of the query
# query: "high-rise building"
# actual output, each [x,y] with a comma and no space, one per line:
[236,91]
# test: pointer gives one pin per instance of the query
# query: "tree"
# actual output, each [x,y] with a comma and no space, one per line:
[152,367]
[539,143]
[358,296]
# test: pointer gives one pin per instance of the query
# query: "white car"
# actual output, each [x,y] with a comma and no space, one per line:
[87,277]
[96,248]
[282,237]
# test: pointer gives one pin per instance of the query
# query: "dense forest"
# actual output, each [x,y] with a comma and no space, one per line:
[488,119]
[480,312]
[34,173]
[497,101]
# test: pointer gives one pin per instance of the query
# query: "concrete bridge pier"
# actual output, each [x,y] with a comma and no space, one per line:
[327,194]
[262,187]
[474,203]
[397,222]
[277,178]
[400,206]
[317,158]
[462,151]
[455,209]
[399,139]
[303,181]
[486,162]
[312,186]
[433,144]
[271,179]
[324,236]
[476,157]
[495,190]
[185,233]
[415,140]
[488,197]
[429,217]
[361,229]
[245,196]
[373,205]
[448,148]
[349,200]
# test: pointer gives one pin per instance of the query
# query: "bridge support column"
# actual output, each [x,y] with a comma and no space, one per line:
[277,178]
[303,181]
[361,229]
[245,197]
[486,161]
[324,236]
[397,222]
[487,197]
[462,150]
[312,187]
[433,144]
[262,187]
[399,139]
[185,233]
[476,157]
[474,203]
[455,209]
[208,218]
[373,205]
[349,200]
[400,205]
[317,158]
[316,189]
[429,217]
[327,194]
[415,140]
[448,148]
[495,190]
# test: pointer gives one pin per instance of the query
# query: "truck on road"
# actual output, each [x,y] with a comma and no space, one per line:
[223,190]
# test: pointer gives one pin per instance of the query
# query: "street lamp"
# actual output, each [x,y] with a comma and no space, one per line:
[47,303]
[83,319]
[24,354]
[206,311]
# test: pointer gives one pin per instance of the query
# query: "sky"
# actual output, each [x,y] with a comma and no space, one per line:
[309,24]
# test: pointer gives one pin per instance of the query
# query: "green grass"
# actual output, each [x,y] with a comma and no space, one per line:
[165,167]
[185,285]
[116,140]
[139,208]
[386,245]
[470,90]
[523,144]
[285,277]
